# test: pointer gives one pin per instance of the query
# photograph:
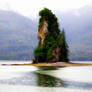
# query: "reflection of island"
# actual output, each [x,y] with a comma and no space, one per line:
[44,80]
[34,78]
[47,68]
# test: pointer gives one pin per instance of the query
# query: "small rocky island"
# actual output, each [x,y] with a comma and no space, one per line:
[52,46]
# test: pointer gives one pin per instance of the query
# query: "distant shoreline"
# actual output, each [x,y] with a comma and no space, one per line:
[58,64]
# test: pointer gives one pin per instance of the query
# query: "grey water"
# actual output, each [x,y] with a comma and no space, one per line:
[45,79]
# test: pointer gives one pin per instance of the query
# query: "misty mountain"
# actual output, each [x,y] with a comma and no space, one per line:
[78,27]
[18,34]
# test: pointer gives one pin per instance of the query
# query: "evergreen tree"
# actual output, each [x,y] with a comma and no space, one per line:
[64,48]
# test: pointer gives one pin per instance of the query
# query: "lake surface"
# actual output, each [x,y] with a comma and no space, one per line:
[44,79]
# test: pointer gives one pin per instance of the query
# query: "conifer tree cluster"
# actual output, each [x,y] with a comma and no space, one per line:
[54,40]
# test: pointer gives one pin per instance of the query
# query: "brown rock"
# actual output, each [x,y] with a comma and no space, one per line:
[43,31]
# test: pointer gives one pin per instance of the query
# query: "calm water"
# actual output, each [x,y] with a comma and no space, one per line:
[45,79]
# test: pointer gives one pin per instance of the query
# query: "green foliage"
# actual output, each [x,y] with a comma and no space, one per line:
[47,15]
[54,39]
[40,53]
[64,48]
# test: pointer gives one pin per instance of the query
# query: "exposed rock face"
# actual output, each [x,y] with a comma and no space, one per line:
[43,31]
[42,35]
[56,54]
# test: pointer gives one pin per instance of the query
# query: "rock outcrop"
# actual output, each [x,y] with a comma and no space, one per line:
[43,30]
[52,46]
[56,54]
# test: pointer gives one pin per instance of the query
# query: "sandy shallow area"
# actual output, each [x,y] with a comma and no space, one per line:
[54,64]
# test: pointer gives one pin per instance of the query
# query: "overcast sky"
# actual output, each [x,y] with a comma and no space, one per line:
[32,7]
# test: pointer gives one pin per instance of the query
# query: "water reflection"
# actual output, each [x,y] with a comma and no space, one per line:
[44,80]
[42,68]
[48,81]
[34,78]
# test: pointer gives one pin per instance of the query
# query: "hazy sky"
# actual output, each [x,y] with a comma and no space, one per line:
[32,7]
